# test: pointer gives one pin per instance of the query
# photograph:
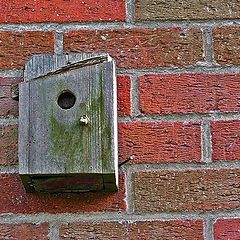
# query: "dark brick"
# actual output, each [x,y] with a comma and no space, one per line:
[226,45]
[8,106]
[187,230]
[186,10]
[8,145]
[193,190]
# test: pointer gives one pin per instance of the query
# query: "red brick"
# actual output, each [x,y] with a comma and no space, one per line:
[226,140]
[186,10]
[227,229]
[8,145]
[193,190]
[226,45]
[14,199]
[24,231]
[8,106]
[16,48]
[159,142]
[15,11]
[189,93]
[187,230]
[137,48]
[124,105]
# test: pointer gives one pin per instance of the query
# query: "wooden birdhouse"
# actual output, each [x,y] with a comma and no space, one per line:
[68,124]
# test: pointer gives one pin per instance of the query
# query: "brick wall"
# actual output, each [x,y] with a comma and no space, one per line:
[179,118]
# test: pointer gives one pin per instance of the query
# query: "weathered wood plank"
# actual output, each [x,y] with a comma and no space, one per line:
[23,129]
[59,143]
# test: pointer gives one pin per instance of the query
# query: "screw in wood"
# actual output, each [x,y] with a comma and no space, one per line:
[84,119]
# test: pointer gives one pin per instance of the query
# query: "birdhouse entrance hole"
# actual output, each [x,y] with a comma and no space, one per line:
[66,99]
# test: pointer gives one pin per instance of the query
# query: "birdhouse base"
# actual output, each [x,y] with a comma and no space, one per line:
[69,183]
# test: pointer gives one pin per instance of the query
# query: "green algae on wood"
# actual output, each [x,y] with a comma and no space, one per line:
[69,142]
[74,142]
[106,130]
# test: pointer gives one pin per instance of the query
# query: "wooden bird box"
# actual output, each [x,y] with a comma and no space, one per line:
[68,124]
